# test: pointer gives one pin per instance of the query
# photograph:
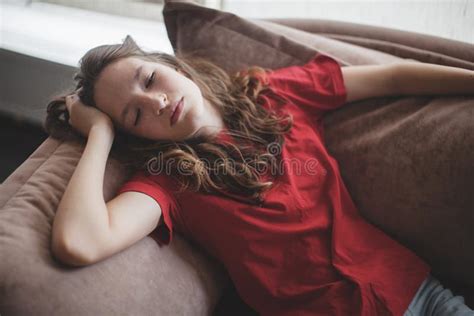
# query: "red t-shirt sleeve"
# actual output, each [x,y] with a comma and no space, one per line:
[316,87]
[140,182]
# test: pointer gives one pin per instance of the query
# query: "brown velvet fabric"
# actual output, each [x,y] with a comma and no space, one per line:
[141,280]
[407,162]
[423,47]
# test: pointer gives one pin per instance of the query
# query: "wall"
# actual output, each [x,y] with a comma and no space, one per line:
[453,19]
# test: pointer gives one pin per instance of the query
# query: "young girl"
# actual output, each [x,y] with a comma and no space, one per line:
[238,166]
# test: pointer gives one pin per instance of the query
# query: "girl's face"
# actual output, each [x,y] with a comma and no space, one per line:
[141,96]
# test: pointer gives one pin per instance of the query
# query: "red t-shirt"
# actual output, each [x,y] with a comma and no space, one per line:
[305,250]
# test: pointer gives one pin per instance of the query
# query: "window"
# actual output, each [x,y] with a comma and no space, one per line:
[144,9]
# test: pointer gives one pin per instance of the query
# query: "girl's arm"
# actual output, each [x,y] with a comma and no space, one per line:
[431,79]
[86,229]
[82,217]
[405,78]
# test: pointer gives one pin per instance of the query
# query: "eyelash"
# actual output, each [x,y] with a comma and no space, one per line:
[138,116]
[150,79]
[147,84]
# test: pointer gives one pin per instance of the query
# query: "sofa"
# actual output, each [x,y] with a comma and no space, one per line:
[406,161]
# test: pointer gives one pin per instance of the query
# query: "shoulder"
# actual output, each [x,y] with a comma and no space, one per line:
[154,183]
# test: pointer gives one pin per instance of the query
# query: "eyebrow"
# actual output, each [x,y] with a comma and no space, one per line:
[127,106]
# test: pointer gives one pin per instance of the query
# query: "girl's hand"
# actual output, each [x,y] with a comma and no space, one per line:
[82,117]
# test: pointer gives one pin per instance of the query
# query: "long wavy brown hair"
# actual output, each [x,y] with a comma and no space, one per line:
[203,163]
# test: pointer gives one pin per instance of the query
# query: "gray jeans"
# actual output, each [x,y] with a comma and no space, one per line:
[433,299]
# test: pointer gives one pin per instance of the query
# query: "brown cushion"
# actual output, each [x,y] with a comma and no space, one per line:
[407,161]
[141,280]
[422,47]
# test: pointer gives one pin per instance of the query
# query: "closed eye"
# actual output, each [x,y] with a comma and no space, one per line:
[138,117]
[150,79]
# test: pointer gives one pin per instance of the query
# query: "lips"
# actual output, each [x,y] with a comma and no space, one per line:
[176,112]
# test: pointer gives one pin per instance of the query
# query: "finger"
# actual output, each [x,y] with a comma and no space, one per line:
[70,99]
[68,105]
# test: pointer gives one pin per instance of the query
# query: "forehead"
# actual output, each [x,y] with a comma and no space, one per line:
[117,73]
[117,79]
[115,85]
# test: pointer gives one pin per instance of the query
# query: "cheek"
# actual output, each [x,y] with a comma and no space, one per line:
[189,85]
[198,98]
[149,123]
